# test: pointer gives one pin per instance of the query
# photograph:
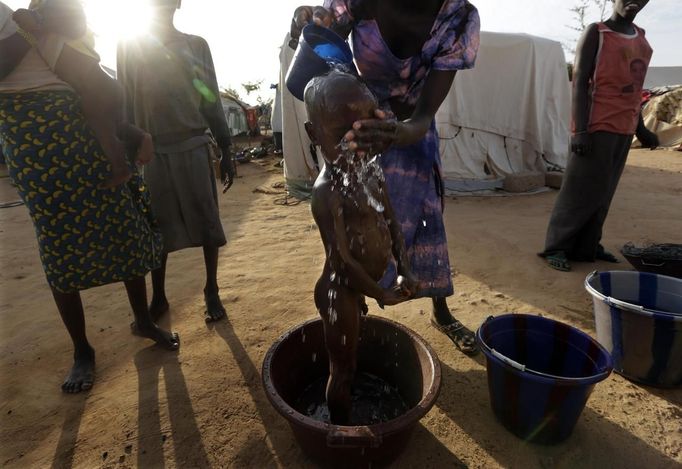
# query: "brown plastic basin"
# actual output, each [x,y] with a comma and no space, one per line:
[387,350]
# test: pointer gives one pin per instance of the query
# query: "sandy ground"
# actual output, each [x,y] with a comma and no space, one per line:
[204,406]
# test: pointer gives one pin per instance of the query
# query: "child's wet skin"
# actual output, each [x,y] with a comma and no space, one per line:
[357,227]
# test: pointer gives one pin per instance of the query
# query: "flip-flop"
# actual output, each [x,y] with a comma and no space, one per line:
[459,335]
[604,255]
[558,261]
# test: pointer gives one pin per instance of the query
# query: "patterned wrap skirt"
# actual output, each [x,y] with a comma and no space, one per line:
[414,184]
[87,235]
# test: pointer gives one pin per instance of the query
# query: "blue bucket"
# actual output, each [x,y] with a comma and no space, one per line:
[540,374]
[638,318]
[319,49]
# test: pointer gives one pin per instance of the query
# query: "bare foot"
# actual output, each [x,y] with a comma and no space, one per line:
[158,308]
[215,310]
[163,338]
[82,374]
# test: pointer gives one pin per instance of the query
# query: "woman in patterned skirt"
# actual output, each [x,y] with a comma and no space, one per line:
[87,235]
[408,53]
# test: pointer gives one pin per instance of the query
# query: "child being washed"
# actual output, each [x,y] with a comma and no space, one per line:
[357,226]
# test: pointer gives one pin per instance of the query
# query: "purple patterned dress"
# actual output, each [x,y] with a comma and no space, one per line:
[413,172]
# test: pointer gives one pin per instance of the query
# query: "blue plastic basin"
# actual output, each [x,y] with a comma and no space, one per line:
[638,318]
[540,374]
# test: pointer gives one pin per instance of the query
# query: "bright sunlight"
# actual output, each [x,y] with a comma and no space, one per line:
[112,21]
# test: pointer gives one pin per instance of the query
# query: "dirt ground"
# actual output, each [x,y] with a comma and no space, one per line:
[205,407]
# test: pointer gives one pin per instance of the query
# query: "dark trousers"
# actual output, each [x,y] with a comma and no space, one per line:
[585,197]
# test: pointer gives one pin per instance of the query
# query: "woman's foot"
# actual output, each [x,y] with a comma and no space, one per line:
[82,374]
[462,337]
[443,320]
[158,307]
[168,340]
[558,261]
[215,310]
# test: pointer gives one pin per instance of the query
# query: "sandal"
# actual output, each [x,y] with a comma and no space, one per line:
[558,261]
[604,255]
[462,337]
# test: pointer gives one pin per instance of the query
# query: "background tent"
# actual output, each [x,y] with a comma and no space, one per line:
[508,115]
[662,76]
[662,114]
[300,169]
[235,112]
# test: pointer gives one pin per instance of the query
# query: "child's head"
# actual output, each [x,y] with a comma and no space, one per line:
[628,9]
[334,102]
[164,10]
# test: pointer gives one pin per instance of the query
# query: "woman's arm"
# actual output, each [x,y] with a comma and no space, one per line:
[379,134]
[12,51]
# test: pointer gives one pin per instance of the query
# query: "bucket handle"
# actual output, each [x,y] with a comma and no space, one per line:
[624,305]
[352,437]
[651,264]
[508,360]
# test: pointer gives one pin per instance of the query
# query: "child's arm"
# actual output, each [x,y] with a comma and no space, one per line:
[585,61]
[646,137]
[410,282]
[330,215]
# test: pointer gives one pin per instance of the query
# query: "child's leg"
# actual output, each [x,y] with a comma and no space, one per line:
[101,100]
[341,319]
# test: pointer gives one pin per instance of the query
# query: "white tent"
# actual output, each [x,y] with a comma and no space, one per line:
[235,115]
[508,115]
[300,169]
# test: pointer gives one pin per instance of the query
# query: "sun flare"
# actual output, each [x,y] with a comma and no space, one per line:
[113,21]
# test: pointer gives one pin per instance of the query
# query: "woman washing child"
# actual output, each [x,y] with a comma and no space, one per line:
[408,54]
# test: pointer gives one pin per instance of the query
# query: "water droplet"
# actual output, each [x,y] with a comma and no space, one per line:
[424,222]
[332,276]
[343,339]
[314,357]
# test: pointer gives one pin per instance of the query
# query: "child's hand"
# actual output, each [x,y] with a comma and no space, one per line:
[581,144]
[393,296]
[648,139]
[409,284]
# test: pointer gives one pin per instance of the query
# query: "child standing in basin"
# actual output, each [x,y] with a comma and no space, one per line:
[357,226]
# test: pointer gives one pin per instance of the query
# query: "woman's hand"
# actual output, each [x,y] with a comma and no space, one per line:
[581,144]
[373,136]
[308,14]
[227,169]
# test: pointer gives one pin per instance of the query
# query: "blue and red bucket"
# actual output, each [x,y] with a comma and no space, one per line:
[638,318]
[540,374]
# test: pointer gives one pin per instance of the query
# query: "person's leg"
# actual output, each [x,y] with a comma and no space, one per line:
[214,307]
[341,331]
[444,321]
[159,305]
[82,374]
[144,325]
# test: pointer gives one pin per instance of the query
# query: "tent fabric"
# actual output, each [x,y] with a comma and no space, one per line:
[235,115]
[663,115]
[300,170]
[510,114]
